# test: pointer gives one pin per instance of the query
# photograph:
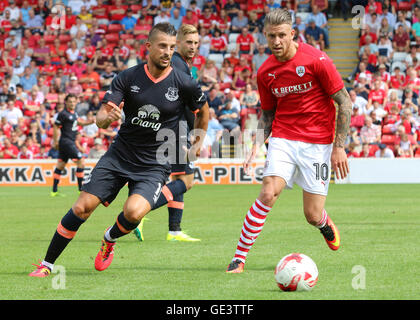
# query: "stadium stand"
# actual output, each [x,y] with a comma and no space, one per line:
[46,44]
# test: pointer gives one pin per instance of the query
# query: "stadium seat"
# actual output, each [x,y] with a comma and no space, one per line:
[373,148]
[233,37]
[49,39]
[125,36]
[400,64]
[46,142]
[224,85]
[231,46]
[303,16]
[114,28]
[112,37]
[387,129]
[64,38]
[217,58]
[399,56]
[388,139]
[136,8]
[417,154]
[404,6]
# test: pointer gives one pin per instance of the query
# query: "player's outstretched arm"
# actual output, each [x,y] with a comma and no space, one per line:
[108,113]
[56,135]
[338,157]
[265,124]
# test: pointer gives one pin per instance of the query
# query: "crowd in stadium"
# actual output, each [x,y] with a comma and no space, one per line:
[52,48]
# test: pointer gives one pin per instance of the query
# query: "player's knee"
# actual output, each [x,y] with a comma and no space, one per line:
[81,210]
[268,197]
[312,215]
[189,184]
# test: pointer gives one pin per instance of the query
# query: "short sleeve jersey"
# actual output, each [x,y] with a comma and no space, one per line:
[67,121]
[178,62]
[150,106]
[299,90]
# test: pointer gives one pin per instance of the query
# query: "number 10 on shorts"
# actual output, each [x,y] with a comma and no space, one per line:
[321,171]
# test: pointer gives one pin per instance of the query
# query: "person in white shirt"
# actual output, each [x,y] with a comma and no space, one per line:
[358,102]
[384,152]
[161,17]
[14,10]
[12,113]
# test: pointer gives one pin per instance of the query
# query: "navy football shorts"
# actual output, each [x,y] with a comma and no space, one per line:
[68,151]
[106,180]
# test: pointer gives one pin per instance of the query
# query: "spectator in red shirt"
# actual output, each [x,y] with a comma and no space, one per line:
[245,43]
[57,51]
[223,21]
[351,152]
[79,67]
[367,151]
[5,23]
[256,6]
[376,94]
[9,151]
[207,20]
[24,153]
[70,18]
[142,29]
[100,12]
[393,101]
[218,43]
[412,81]
[397,79]
[41,51]
[190,18]
[117,11]
[401,40]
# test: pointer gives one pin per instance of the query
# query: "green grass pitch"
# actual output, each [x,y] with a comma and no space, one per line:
[379,257]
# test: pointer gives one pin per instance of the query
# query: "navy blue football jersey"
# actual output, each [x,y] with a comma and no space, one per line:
[178,62]
[67,121]
[150,106]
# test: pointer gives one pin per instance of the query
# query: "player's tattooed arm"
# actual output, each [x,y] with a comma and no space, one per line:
[338,156]
[343,101]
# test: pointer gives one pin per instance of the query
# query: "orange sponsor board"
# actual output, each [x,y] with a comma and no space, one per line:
[40,172]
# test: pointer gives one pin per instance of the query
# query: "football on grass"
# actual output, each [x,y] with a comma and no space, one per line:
[296,272]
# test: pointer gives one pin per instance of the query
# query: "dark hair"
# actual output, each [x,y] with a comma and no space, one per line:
[164,27]
[70,95]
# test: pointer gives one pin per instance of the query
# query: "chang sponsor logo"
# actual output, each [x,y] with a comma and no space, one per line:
[148,117]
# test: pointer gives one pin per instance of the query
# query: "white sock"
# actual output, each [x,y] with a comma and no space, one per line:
[47,264]
[323,220]
[175,233]
[108,236]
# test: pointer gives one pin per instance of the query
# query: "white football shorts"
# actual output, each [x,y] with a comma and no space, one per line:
[306,164]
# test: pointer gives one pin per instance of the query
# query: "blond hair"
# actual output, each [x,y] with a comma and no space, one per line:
[185,29]
[277,17]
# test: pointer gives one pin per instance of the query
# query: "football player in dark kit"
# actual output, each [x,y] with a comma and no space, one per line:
[182,172]
[153,95]
[64,137]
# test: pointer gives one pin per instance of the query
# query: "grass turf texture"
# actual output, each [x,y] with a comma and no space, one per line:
[379,226]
